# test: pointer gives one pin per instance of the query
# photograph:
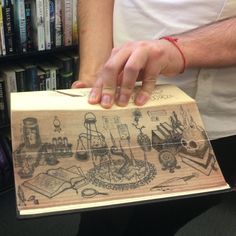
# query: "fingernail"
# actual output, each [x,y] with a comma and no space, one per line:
[141,99]
[74,85]
[92,96]
[123,99]
[106,100]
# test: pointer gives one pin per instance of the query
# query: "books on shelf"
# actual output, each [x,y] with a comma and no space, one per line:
[27,25]
[71,155]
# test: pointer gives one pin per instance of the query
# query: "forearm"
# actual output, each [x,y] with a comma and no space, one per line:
[210,46]
[95,34]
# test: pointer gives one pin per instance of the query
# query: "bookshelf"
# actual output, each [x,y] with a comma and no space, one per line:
[31,32]
[17,56]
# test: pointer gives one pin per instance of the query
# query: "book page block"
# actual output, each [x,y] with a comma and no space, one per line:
[70,155]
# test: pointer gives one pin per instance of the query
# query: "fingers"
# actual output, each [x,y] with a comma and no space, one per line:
[125,66]
[105,88]
[146,90]
[78,84]
[132,69]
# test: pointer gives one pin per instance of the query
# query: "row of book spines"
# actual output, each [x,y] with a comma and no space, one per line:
[28,25]
[6,166]
[57,73]
[37,78]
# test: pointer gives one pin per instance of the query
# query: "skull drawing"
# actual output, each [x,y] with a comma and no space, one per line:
[194,140]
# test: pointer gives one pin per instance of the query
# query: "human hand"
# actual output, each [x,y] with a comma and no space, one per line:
[135,61]
[85,81]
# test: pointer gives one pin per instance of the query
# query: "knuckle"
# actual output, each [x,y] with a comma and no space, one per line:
[114,50]
[131,68]
[127,90]
[109,67]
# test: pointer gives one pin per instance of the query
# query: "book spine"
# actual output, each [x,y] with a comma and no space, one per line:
[67,19]
[66,73]
[20,24]
[38,24]
[10,85]
[48,80]
[8,20]
[2,35]
[3,105]
[29,26]
[52,22]
[58,23]
[53,77]
[32,82]
[42,81]
[47,24]
[75,23]
[21,81]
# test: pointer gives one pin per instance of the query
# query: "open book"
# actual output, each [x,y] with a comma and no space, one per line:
[70,155]
[55,181]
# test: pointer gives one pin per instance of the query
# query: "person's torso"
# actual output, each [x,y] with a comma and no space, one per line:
[152,19]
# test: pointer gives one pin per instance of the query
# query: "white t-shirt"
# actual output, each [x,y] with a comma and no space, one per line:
[213,89]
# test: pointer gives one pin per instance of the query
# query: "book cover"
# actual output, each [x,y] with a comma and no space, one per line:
[20,25]
[9,29]
[119,156]
[37,9]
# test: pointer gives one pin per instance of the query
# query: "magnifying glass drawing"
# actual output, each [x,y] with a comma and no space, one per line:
[90,192]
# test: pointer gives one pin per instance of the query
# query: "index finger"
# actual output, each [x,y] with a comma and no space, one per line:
[104,91]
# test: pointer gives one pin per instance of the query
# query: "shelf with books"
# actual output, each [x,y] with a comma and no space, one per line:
[38,53]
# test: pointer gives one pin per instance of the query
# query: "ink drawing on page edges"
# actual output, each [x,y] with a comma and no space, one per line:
[70,155]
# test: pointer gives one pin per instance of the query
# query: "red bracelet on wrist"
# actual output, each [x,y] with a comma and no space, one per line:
[174,42]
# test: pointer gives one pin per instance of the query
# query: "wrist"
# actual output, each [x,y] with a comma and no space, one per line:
[174,42]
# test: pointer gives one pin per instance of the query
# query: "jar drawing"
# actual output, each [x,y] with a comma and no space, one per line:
[31,133]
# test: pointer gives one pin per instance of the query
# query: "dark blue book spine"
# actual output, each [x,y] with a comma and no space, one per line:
[29,26]
[9,30]
[21,81]
[32,83]
[52,23]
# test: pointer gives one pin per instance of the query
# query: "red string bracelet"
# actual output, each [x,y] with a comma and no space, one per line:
[174,42]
